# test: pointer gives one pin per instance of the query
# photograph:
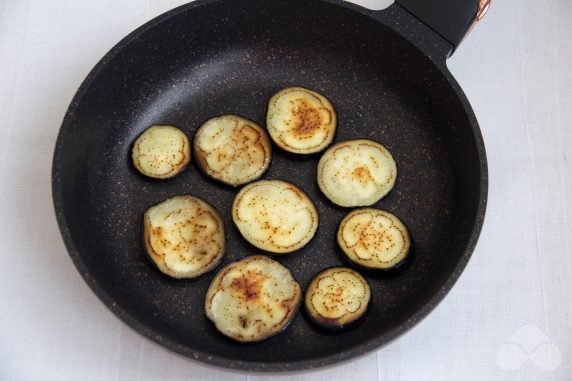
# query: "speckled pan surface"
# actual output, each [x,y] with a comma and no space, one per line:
[216,57]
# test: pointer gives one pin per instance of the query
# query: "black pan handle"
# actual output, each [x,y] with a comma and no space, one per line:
[452,19]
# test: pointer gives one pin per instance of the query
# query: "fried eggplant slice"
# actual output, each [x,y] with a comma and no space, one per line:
[337,297]
[232,150]
[252,299]
[161,152]
[275,216]
[356,173]
[301,121]
[183,236]
[374,239]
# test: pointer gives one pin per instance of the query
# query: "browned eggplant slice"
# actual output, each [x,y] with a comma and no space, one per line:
[337,297]
[252,299]
[232,150]
[161,152]
[356,173]
[374,239]
[301,120]
[183,236]
[275,216]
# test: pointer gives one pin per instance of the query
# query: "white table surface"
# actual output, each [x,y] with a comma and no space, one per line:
[509,316]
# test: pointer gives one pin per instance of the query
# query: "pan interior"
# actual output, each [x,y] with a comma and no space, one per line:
[218,59]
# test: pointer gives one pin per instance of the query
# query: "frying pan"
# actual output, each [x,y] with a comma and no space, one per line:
[384,71]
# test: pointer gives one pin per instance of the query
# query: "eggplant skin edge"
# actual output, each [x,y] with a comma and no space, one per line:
[200,155]
[325,103]
[312,210]
[336,324]
[378,269]
[330,154]
[293,309]
[153,257]
[177,168]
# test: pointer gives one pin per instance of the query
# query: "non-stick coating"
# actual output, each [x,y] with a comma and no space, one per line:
[225,57]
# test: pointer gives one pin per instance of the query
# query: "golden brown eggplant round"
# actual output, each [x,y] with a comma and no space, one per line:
[275,216]
[301,120]
[356,173]
[183,236]
[374,239]
[161,152]
[252,299]
[337,297]
[232,150]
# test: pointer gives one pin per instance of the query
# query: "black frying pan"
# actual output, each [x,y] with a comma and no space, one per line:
[385,73]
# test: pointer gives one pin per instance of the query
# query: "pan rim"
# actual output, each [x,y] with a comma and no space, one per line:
[205,358]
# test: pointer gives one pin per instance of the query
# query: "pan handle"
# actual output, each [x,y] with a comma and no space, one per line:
[452,19]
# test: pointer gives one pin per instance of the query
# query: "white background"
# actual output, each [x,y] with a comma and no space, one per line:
[516,68]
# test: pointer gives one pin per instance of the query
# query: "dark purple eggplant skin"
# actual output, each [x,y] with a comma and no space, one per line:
[398,266]
[323,326]
[148,256]
[327,325]
[294,314]
[230,340]
[376,270]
